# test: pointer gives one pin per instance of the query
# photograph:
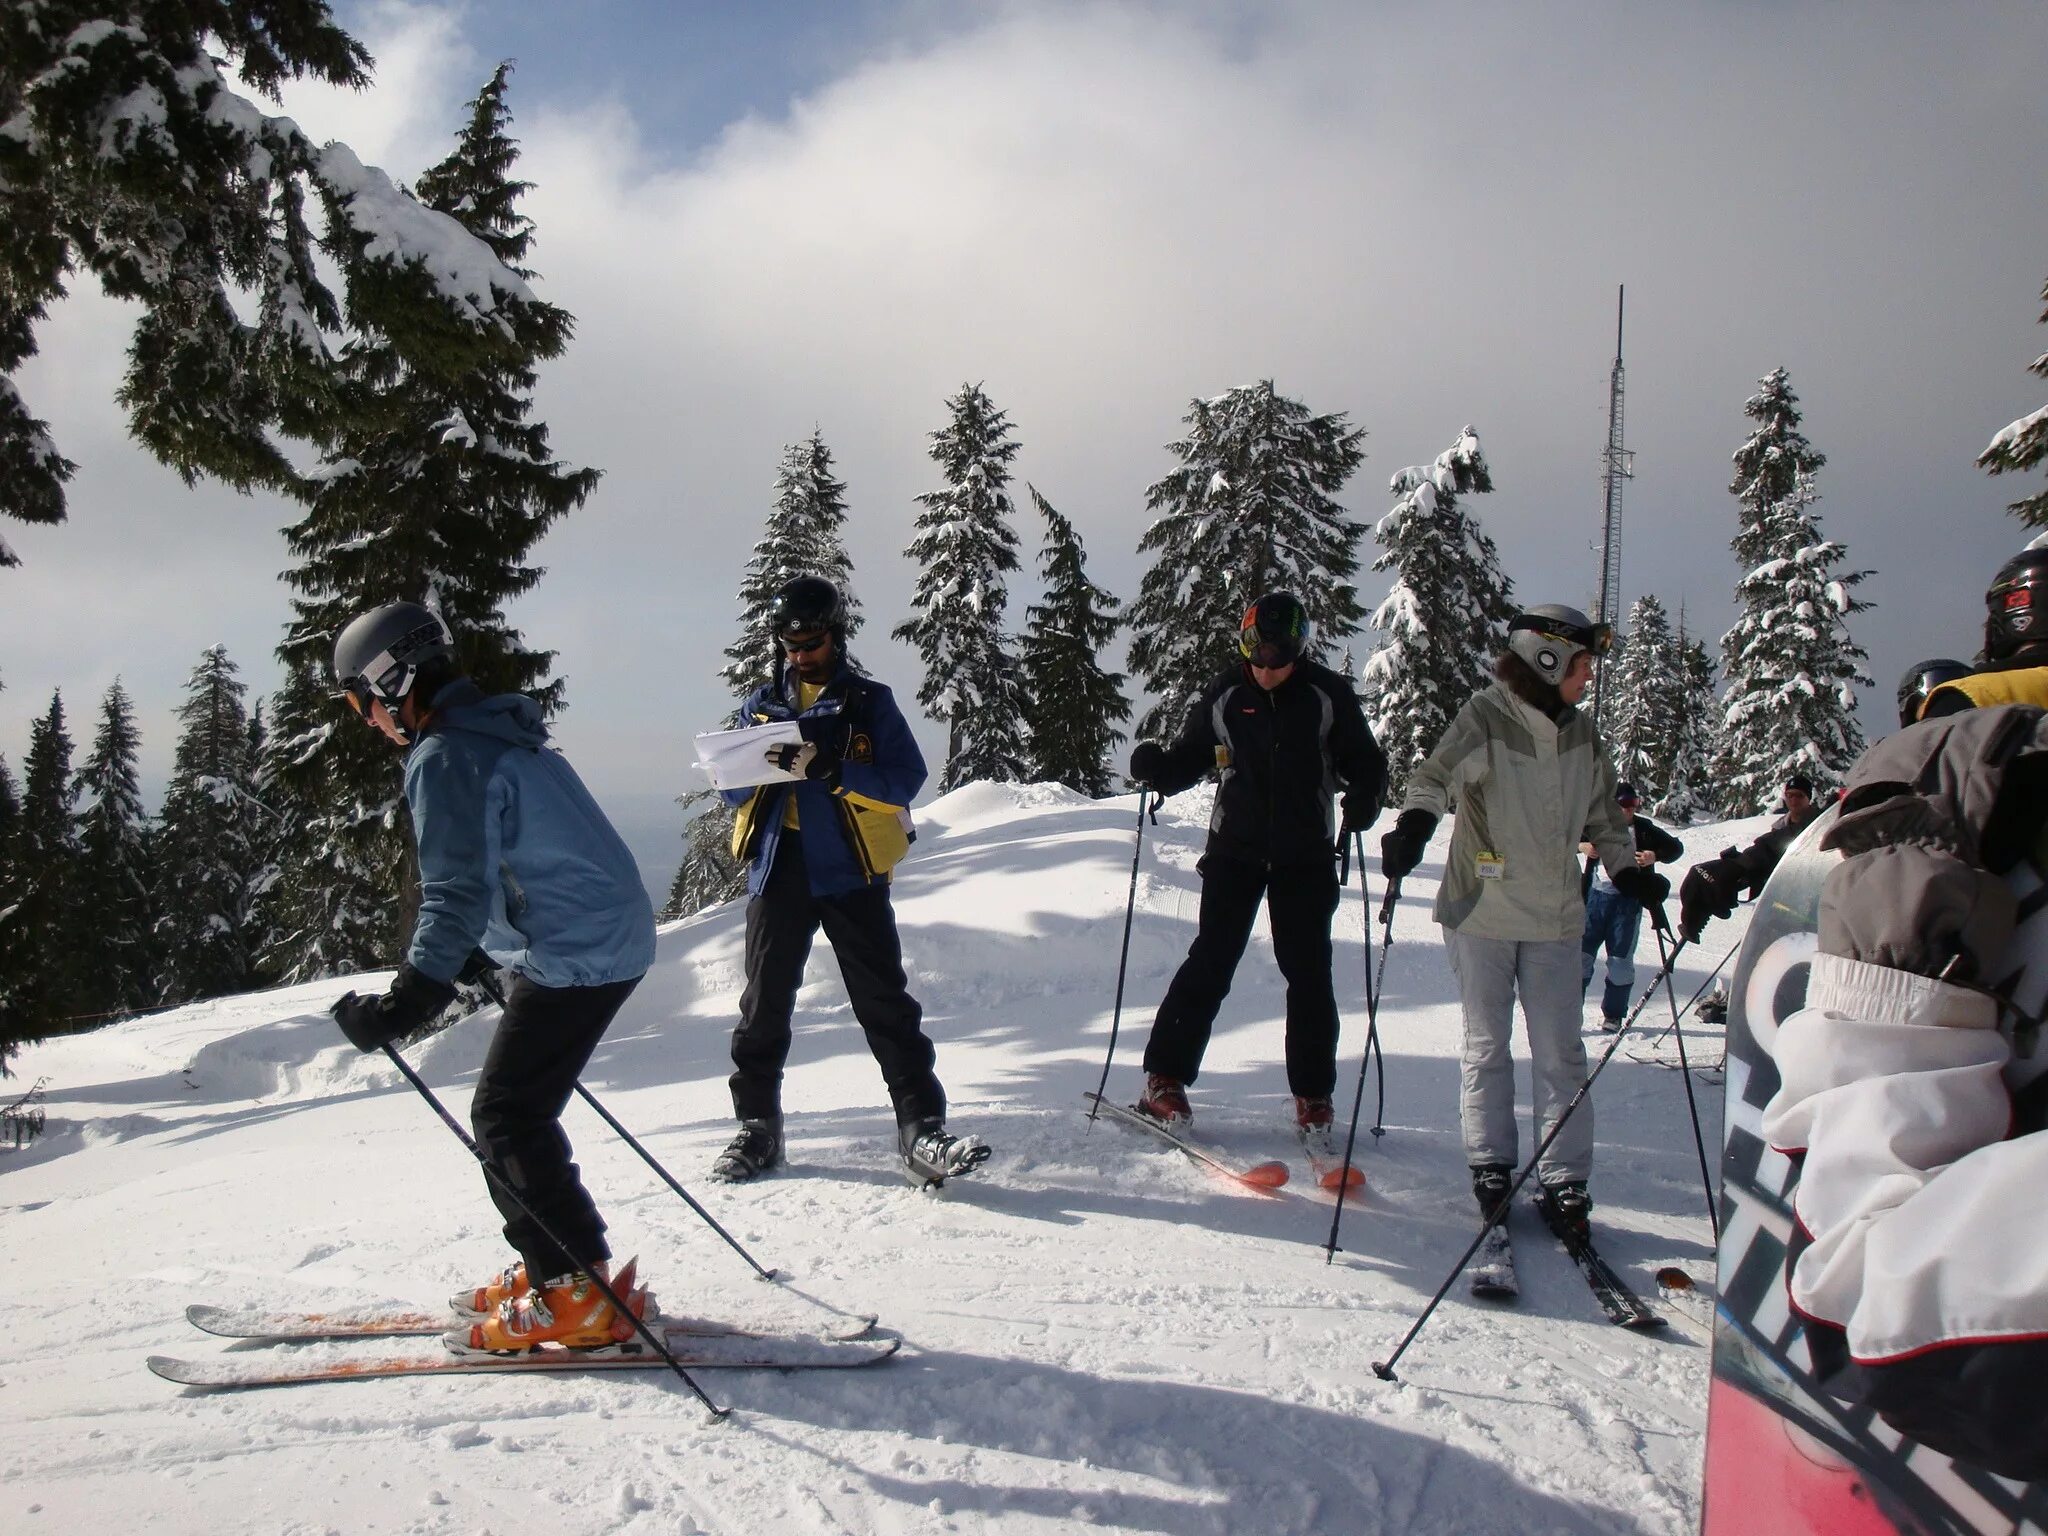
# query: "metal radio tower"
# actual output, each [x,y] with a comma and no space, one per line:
[1619,466]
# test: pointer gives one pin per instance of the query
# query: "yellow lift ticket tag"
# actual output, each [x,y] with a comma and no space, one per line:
[1491,866]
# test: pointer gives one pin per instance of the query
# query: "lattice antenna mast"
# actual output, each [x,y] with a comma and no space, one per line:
[1618,466]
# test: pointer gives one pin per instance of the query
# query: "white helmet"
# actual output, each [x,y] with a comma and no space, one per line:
[1549,635]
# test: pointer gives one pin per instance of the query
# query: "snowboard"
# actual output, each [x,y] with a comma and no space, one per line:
[1783,1455]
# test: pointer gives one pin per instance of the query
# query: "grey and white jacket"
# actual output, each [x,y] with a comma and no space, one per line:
[1527,790]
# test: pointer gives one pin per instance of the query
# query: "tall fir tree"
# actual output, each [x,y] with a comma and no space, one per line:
[116,948]
[963,550]
[47,912]
[1071,706]
[2023,444]
[435,489]
[11,971]
[1691,791]
[132,158]
[1644,724]
[1250,508]
[1446,618]
[709,874]
[1768,467]
[209,843]
[1792,669]
[800,538]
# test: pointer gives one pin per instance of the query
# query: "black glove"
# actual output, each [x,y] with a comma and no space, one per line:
[1647,889]
[1148,761]
[371,1023]
[1401,849]
[1361,810]
[476,968]
[1710,890]
[812,759]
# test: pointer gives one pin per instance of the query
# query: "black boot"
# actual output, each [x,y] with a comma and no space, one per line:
[1569,1208]
[756,1149]
[1490,1183]
[930,1156]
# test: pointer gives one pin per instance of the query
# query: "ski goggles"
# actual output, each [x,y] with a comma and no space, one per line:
[1262,649]
[1597,638]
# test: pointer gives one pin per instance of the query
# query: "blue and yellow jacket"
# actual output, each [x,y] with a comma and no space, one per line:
[856,824]
[515,856]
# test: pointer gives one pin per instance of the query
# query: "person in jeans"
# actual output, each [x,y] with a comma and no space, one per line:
[1614,921]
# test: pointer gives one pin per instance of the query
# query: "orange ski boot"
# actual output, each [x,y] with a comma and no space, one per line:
[485,1299]
[569,1312]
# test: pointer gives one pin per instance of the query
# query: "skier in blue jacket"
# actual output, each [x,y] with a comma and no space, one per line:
[519,868]
[819,848]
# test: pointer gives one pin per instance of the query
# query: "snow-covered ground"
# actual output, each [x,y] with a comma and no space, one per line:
[1097,1335]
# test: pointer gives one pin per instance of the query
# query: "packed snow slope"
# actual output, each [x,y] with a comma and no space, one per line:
[1097,1334]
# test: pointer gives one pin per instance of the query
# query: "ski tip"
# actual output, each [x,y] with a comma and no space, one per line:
[1266,1175]
[1351,1179]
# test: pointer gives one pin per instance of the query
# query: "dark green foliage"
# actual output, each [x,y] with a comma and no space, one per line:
[963,550]
[113,939]
[1251,508]
[801,538]
[11,965]
[45,982]
[435,489]
[1071,704]
[131,158]
[2022,444]
[209,844]
[709,874]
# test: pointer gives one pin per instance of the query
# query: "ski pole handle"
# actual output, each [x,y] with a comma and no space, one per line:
[1387,906]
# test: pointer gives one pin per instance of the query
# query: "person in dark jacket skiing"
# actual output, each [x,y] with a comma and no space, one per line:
[518,862]
[1712,889]
[819,847]
[1281,733]
[1614,920]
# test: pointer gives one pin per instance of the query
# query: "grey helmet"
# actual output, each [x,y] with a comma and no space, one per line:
[380,653]
[1549,635]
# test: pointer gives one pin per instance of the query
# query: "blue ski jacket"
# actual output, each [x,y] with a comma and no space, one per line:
[515,856]
[856,823]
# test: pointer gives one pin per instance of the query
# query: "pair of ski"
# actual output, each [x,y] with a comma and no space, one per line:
[1266,1178]
[697,1344]
[1493,1273]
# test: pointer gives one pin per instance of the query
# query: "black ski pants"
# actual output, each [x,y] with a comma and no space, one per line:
[1300,901]
[861,927]
[541,1048]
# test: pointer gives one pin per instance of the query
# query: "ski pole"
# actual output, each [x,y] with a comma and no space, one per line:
[488,981]
[1657,926]
[1698,992]
[1372,1030]
[1124,959]
[605,1286]
[1384,1369]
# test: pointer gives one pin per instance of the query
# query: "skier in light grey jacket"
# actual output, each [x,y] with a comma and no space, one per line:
[1529,780]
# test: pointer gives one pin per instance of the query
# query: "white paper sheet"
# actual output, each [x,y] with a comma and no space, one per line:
[736,759]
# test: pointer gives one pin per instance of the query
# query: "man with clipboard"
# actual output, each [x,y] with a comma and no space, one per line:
[819,844]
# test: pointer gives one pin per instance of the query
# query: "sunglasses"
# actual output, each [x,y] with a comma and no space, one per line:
[803,645]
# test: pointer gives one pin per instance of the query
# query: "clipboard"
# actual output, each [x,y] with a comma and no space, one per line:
[738,759]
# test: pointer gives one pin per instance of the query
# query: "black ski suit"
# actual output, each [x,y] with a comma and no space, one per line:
[1280,757]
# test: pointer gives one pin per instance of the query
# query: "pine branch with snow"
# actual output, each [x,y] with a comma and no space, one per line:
[2023,444]
[800,538]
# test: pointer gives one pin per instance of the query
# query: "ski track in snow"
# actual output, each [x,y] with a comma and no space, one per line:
[1098,1334]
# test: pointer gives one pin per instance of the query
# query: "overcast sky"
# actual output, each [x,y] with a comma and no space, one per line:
[778,217]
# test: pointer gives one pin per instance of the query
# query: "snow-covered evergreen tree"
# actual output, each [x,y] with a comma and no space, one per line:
[130,155]
[11,966]
[801,538]
[2022,444]
[436,489]
[209,843]
[1691,791]
[1768,466]
[1644,725]
[1071,704]
[1250,508]
[116,947]
[709,874]
[47,912]
[1446,618]
[1792,669]
[963,550]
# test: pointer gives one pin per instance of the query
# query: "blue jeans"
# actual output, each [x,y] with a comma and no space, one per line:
[1615,921]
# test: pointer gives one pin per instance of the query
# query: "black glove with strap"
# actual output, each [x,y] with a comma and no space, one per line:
[812,759]
[1647,889]
[1361,809]
[1401,849]
[1709,890]
[1148,761]
[371,1023]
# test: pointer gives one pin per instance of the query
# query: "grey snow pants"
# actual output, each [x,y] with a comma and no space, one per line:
[1491,973]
